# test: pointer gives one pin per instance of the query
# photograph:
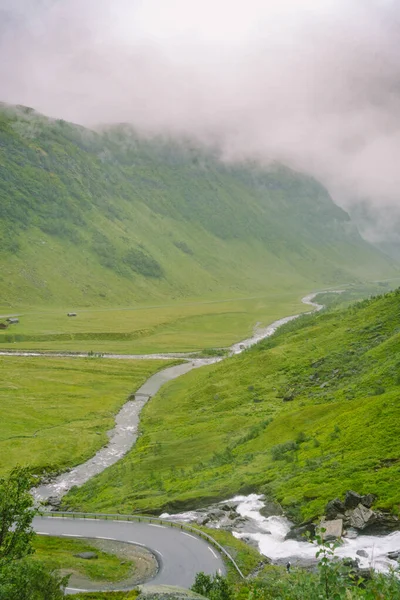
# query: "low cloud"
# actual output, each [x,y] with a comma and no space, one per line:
[312,83]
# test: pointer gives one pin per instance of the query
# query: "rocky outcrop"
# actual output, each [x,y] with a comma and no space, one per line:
[360,517]
[349,518]
[357,515]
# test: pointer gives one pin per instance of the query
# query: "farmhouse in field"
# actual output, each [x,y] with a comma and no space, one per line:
[71,315]
[12,320]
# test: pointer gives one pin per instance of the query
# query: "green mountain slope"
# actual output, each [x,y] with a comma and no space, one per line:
[108,218]
[303,416]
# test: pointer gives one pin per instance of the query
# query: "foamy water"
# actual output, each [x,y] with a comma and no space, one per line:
[271,539]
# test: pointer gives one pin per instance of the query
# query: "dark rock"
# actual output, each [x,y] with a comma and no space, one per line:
[227,507]
[395,555]
[299,532]
[86,555]
[334,508]
[53,501]
[203,520]
[383,524]
[352,499]
[368,500]
[362,553]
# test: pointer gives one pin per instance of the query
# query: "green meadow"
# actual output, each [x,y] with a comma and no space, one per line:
[56,412]
[181,327]
[303,416]
[58,554]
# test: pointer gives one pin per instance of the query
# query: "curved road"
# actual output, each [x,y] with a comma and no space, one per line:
[180,554]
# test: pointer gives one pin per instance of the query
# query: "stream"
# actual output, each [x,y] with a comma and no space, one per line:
[268,533]
[124,435]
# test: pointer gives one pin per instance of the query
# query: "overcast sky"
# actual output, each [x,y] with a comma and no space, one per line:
[312,83]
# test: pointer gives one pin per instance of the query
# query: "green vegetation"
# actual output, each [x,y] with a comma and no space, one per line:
[246,557]
[57,554]
[56,412]
[22,578]
[179,327]
[334,580]
[109,219]
[303,416]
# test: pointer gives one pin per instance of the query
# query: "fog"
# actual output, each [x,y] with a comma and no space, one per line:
[314,84]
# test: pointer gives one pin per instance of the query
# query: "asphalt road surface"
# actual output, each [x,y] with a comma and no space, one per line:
[180,554]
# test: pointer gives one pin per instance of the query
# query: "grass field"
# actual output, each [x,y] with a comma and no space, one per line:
[172,327]
[304,416]
[58,554]
[56,412]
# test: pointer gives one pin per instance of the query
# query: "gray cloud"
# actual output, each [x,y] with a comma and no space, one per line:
[312,83]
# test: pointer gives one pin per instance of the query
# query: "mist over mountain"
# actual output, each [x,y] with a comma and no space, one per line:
[111,217]
[310,84]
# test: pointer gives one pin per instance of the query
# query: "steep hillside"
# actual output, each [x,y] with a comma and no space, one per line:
[108,218]
[303,416]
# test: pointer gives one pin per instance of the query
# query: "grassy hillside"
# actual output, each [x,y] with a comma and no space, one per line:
[56,412]
[111,219]
[303,416]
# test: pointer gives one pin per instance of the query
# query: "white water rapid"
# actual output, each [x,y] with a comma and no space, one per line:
[269,534]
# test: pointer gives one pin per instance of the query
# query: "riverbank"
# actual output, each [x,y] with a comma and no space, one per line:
[261,524]
[125,432]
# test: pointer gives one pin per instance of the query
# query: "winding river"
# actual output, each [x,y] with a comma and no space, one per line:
[269,533]
[125,432]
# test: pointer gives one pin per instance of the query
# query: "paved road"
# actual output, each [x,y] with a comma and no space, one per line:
[180,554]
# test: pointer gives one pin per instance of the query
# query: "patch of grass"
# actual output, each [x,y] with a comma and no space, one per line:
[201,436]
[56,412]
[170,328]
[58,554]
[246,557]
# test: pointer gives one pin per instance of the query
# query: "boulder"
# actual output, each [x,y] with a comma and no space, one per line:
[86,555]
[351,533]
[395,555]
[383,524]
[368,500]
[352,499]
[53,501]
[362,553]
[334,508]
[299,532]
[333,529]
[361,517]
[271,509]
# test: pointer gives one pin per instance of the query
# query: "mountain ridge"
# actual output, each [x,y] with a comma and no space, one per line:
[107,217]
